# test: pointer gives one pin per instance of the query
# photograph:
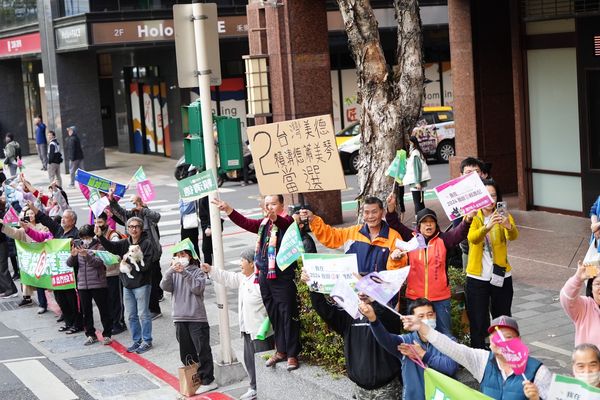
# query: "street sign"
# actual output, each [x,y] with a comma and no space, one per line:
[185,44]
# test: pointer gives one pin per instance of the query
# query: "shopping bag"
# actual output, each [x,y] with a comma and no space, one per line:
[592,257]
[189,381]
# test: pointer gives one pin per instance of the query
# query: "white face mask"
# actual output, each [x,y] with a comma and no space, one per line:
[591,378]
[429,322]
[183,261]
[86,242]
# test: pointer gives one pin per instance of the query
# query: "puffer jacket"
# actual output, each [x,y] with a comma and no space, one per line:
[92,272]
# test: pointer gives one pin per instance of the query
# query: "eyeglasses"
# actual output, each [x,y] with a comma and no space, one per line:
[134,226]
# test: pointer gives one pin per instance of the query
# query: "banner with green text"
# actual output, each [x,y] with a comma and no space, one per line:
[44,265]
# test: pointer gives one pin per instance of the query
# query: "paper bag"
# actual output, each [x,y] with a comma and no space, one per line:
[592,257]
[189,380]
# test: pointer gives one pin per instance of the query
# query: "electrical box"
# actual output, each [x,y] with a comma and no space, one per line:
[229,136]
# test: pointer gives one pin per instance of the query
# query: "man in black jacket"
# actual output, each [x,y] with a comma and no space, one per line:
[136,290]
[74,153]
[369,366]
[66,299]
[54,158]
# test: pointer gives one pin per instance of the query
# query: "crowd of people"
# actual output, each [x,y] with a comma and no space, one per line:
[384,354]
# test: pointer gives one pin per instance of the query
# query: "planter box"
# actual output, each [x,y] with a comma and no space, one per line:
[307,382]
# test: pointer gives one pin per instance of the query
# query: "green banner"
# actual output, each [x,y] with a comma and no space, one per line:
[566,387]
[44,265]
[197,186]
[291,247]
[441,387]
[107,257]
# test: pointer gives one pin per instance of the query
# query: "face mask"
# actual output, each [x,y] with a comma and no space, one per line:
[591,378]
[429,322]
[183,261]
[86,242]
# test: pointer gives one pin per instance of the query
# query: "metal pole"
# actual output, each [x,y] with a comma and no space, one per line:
[211,163]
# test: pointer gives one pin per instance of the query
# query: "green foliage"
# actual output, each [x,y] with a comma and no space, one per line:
[460,327]
[320,345]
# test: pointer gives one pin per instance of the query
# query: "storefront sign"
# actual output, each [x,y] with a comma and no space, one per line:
[17,45]
[158,30]
[70,37]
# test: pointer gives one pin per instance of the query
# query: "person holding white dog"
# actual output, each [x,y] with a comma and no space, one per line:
[186,281]
[251,311]
[136,290]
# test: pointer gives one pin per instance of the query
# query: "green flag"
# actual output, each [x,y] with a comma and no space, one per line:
[397,168]
[291,247]
[107,257]
[441,387]
[44,265]
[185,244]
[197,186]
[139,175]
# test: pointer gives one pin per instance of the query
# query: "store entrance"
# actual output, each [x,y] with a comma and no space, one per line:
[147,110]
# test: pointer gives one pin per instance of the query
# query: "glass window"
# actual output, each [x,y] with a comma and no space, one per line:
[593,94]
[16,13]
[74,7]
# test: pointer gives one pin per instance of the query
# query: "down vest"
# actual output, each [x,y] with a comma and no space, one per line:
[92,272]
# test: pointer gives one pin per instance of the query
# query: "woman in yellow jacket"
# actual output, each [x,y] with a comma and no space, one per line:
[489,286]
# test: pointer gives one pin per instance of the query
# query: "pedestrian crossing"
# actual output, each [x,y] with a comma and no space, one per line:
[37,378]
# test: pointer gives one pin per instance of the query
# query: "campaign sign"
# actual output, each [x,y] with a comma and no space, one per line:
[197,186]
[324,270]
[462,195]
[568,388]
[98,182]
[44,265]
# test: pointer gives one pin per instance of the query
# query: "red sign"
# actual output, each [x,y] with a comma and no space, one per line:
[23,44]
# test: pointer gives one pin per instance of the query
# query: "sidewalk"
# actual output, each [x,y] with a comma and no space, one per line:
[543,257]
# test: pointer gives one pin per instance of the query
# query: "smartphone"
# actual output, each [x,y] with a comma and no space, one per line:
[77,243]
[501,208]
[26,218]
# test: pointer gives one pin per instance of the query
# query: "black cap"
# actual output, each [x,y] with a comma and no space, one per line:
[426,212]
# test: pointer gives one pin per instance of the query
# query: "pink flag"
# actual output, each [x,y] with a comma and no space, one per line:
[514,352]
[85,191]
[145,190]
[11,216]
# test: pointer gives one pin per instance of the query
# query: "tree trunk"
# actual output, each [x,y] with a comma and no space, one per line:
[390,98]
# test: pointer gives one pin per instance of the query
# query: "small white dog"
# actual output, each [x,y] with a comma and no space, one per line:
[135,257]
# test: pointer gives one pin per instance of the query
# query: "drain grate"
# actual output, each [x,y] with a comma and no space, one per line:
[9,305]
[94,360]
[121,384]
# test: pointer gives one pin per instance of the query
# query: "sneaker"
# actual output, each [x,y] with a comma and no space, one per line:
[207,388]
[144,347]
[41,310]
[25,302]
[106,341]
[155,315]
[90,340]
[10,295]
[249,395]
[133,348]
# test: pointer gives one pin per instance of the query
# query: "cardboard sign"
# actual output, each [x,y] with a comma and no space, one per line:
[197,186]
[568,388]
[324,270]
[462,195]
[298,156]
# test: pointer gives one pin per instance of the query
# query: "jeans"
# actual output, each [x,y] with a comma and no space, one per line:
[136,305]
[42,150]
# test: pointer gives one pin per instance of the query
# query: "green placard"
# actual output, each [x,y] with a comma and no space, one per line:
[291,247]
[44,265]
[107,257]
[441,387]
[197,186]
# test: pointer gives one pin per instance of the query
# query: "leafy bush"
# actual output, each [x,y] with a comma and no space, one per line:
[460,323]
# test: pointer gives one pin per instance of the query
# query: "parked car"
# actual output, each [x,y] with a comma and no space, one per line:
[434,130]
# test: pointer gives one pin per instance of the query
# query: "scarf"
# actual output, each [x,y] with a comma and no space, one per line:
[271,250]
